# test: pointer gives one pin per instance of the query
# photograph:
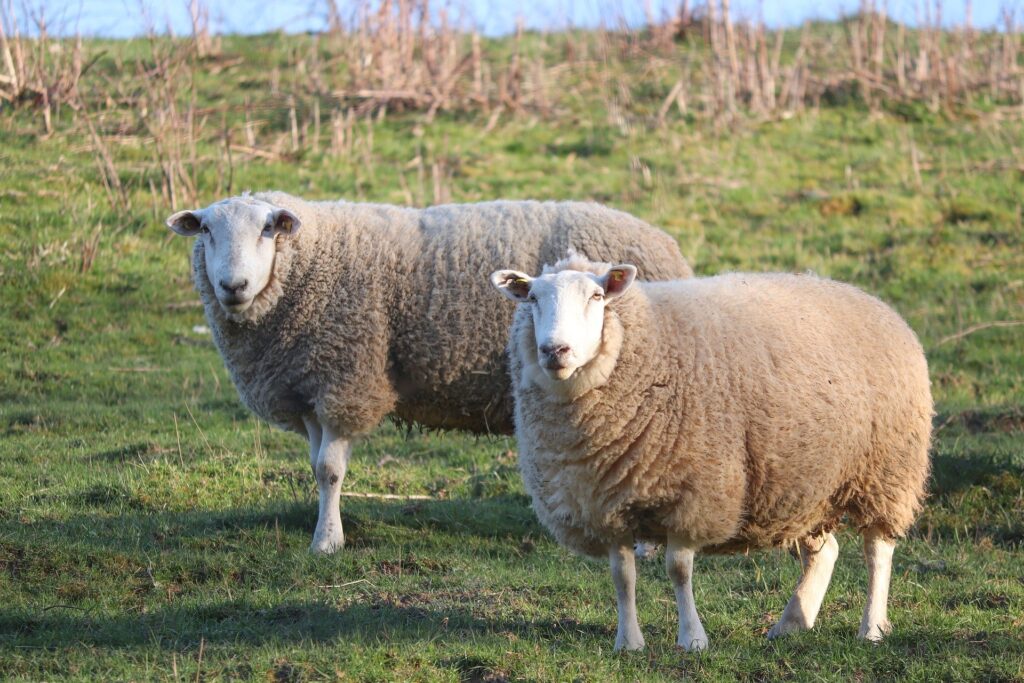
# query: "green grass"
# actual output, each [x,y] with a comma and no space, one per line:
[150,528]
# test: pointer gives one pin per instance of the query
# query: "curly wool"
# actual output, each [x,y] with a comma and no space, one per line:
[738,411]
[376,310]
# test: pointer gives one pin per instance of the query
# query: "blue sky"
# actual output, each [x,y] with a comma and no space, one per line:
[123,18]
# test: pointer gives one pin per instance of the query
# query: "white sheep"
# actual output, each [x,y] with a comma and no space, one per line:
[717,414]
[371,310]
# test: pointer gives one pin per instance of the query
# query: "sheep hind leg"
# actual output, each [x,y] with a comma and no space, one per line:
[329,456]
[645,551]
[679,564]
[316,435]
[818,556]
[878,550]
[623,566]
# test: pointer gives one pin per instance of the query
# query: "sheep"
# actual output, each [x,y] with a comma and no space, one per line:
[332,315]
[718,415]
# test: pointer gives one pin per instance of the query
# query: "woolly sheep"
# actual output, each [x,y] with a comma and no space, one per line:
[718,414]
[372,310]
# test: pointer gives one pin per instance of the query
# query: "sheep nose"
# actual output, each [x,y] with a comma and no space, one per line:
[554,350]
[233,288]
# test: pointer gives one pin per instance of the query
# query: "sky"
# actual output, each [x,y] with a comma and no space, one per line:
[126,18]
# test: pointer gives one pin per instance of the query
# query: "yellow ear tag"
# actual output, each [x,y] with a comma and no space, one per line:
[617,275]
[520,281]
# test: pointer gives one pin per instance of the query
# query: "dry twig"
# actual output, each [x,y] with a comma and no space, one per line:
[978,328]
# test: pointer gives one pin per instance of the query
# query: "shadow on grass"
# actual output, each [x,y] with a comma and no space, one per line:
[498,518]
[955,473]
[290,622]
[241,623]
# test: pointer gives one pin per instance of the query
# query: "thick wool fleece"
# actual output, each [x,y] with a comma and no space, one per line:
[376,310]
[737,411]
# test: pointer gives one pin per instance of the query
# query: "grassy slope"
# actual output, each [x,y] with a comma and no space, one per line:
[143,512]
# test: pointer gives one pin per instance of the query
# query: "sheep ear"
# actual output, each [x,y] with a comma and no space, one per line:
[512,283]
[184,223]
[618,280]
[285,222]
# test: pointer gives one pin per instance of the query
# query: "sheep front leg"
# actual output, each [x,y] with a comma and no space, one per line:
[679,564]
[818,556]
[878,550]
[623,565]
[328,455]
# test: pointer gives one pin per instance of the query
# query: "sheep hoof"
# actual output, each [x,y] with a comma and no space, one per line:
[646,551]
[785,627]
[876,632]
[630,643]
[693,644]
[326,545]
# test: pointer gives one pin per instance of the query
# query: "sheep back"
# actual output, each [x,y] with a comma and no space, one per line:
[449,351]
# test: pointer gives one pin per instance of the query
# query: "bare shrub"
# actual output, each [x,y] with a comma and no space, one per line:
[377,57]
[407,54]
[204,44]
[39,70]
[167,111]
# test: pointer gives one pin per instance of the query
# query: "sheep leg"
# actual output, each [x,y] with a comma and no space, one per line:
[623,565]
[645,551]
[328,455]
[679,564]
[818,556]
[316,435]
[878,550]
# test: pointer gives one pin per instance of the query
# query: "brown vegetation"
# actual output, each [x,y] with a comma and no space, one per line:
[332,88]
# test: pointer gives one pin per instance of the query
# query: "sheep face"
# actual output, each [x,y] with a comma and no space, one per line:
[239,245]
[568,312]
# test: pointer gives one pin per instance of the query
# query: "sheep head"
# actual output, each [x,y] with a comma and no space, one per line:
[568,312]
[239,245]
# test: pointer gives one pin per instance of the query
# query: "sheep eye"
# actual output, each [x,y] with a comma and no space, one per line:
[597,296]
[532,298]
[203,229]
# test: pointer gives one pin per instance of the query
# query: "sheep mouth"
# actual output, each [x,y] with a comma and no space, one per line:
[234,305]
[558,371]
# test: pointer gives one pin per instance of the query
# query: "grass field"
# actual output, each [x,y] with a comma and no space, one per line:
[152,529]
